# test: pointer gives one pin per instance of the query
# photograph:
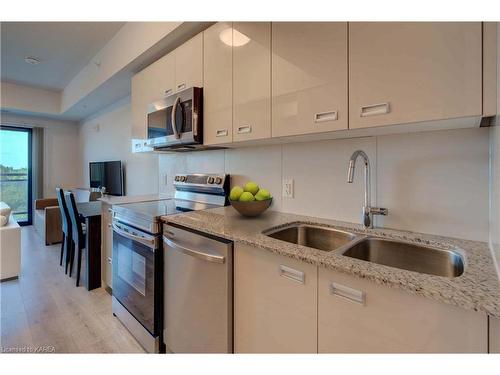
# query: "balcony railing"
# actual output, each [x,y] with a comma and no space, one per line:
[14,192]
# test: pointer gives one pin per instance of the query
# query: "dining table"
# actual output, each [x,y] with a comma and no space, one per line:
[91,212]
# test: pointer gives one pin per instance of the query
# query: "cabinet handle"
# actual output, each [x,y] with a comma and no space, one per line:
[181,86]
[244,129]
[109,225]
[292,274]
[110,210]
[167,92]
[325,116]
[110,260]
[221,133]
[346,292]
[375,109]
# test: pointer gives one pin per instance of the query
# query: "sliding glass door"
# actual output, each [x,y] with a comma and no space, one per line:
[15,172]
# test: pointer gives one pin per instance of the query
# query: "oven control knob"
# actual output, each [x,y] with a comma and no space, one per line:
[218,180]
[176,178]
[182,178]
[210,180]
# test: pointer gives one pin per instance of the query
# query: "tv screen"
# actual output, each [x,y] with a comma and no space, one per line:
[107,174]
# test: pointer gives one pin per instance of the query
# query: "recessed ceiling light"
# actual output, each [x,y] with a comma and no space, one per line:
[32,60]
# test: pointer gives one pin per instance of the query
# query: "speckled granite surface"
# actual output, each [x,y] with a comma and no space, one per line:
[478,288]
[110,199]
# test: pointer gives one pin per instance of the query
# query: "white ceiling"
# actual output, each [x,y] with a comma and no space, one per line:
[64,48]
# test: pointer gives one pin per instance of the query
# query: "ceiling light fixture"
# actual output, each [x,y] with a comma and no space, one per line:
[233,37]
[32,60]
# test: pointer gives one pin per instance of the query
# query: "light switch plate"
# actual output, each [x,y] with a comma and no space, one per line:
[288,188]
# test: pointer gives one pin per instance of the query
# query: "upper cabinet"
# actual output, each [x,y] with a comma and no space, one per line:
[413,72]
[150,84]
[180,69]
[309,77]
[218,84]
[251,80]
[189,64]
[263,80]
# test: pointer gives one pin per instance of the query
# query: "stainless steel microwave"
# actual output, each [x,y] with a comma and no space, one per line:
[176,122]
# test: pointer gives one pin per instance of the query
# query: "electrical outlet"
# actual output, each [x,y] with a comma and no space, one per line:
[288,188]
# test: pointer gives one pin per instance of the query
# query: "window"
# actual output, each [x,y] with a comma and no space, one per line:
[15,172]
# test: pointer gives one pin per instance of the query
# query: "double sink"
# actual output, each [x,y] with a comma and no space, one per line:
[398,254]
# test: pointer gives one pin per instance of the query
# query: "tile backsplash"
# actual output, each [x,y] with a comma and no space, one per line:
[431,182]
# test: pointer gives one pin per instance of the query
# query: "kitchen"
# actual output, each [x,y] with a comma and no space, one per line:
[279,195]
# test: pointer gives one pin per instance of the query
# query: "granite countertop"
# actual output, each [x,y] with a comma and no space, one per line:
[110,199]
[478,288]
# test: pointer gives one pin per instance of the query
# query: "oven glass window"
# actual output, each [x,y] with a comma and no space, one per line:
[132,269]
[134,276]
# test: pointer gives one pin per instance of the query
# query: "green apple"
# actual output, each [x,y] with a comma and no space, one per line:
[263,195]
[235,193]
[251,187]
[247,197]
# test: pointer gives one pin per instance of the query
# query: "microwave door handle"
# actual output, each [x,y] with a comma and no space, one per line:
[174,114]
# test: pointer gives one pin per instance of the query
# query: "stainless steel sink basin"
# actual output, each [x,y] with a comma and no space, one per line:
[407,256]
[321,238]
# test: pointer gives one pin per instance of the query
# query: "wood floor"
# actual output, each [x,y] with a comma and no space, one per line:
[44,311]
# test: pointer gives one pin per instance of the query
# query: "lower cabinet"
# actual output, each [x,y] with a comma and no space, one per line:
[275,303]
[359,316]
[282,305]
[106,245]
[494,335]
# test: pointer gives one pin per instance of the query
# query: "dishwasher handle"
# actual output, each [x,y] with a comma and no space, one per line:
[194,253]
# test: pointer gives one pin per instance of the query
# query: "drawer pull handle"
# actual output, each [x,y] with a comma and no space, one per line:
[244,129]
[110,260]
[292,274]
[348,293]
[325,116]
[221,133]
[181,86]
[375,109]
[168,91]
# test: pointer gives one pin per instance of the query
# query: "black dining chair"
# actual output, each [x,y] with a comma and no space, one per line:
[78,235]
[67,240]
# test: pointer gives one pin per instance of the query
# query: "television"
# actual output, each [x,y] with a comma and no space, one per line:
[107,174]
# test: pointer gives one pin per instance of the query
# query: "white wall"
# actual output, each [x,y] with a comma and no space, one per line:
[62,163]
[107,136]
[29,99]
[431,182]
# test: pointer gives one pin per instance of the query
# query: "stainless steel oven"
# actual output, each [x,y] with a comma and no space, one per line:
[137,282]
[176,121]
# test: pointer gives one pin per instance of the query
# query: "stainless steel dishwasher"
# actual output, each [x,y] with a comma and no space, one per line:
[198,292]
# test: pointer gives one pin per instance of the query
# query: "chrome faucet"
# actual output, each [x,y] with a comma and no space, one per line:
[368,210]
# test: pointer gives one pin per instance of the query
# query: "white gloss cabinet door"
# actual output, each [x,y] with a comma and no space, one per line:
[150,84]
[309,76]
[413,72]
[275,303]
[189,64]
[251,80]
[218,84]
[359,316]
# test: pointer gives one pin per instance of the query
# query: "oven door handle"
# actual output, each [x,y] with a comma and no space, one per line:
[194,253]
[151,243]
[174,114]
